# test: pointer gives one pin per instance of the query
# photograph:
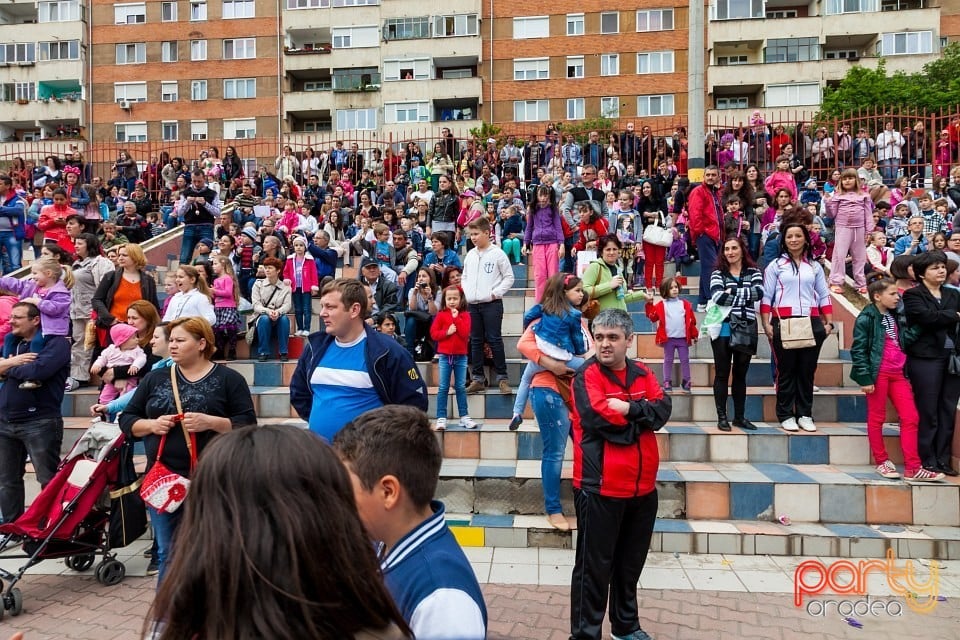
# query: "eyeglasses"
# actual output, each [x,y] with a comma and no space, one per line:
[19,317]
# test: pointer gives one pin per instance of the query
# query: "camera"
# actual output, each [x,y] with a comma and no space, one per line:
[423,285]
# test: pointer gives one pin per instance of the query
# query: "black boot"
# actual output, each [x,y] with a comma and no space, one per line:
[722,423]
[220,341]
[744,424]
[232,345]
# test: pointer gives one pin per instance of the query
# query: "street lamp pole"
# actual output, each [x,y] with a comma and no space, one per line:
[695,93]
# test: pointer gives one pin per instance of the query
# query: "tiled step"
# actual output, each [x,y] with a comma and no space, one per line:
[764,492]
[730,537]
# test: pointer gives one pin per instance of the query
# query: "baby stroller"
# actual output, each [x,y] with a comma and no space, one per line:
[70,516]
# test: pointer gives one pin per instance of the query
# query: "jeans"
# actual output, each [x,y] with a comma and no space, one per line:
[165,527]
[12,251]
[707,248]
[486,325]
[41,439]
[192,234]
[529,371]
[553,419]
[265,330]
[413,330]
[457,365]
[894,386]
[888,169]
[169,219]
[302,309]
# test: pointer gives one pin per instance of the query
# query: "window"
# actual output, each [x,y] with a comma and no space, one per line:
[62,50]
[531,110]
[406,28]
[130,91]
[610,64]
[198,89]
[309,126]
[240,49]
[170,130]
[135,53]
[610,107]
[403,112]
[407,69]
[355,37]
[168,11]
[129,13]
[356,79]
[356,119]
[791,50]
[575,109]
[168,51]
[198,49]
[655,105]
[655,20]
[307,4]
[18,52]
[535,27]
[63,11]
[655,62]
[240,129]
[574,66]
[131,131]
[732,102]
[725,61]
[198,11]
[453,74]
[13,91]
[895,44]
[198,131]
[355,3]
[833,7]
[841,54]
[739,9]
[238,88]
[460,25]
[531,69]
[788,95]
[610,22]
[249,165]
[238,9]
[169,91]
[574,24]
[318,85]
[783,13]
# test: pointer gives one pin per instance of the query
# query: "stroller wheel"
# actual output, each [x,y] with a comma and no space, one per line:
[80,562]
[13,601]
[110,572]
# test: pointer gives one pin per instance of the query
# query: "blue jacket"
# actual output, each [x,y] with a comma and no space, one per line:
[564,331]
[393,372]
[51,369]
[450,259]
[325,259]
[15,207]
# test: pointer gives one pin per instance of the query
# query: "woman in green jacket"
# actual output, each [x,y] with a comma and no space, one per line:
[604,280]
[879,335]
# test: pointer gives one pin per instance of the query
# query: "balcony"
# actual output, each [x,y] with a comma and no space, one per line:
[414,91]
[26,113]
[362,81]
[732,32]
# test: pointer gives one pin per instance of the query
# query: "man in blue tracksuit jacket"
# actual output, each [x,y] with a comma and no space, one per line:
[13,210]
[350,368]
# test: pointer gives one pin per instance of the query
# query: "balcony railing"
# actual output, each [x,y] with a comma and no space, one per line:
[356,82]
[306,50]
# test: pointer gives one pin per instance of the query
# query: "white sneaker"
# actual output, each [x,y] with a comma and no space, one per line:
[701,308]
[888,470]
[790,424]
[468,423]
[806,423]
[440,424]
[816,388]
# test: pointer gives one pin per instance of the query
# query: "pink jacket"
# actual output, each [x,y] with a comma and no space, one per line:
[851,210]
[780,180]
[223,292]
[6,308]
[310,278]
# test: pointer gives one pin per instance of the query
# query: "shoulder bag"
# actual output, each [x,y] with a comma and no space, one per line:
[163,489]
[252,323]
[796,332]
[953,363]
[657,233]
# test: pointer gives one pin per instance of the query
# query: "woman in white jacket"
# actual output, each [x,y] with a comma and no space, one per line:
[193,297]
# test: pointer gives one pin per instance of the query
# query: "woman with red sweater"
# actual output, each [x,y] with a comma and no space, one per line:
[451,332]
[676,331]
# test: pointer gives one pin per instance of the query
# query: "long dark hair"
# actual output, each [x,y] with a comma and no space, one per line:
[746,260]
[271,546]
[534,202]
[808,247]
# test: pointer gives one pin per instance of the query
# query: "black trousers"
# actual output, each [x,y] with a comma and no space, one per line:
[486,324]
[936,393]
[795,371]
[723,357]
[612,542]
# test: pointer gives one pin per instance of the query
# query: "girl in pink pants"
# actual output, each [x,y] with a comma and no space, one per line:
[543,237]
[878,363]
[852,213]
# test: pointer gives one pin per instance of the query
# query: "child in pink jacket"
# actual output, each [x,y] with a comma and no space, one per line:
[226,296]
[852,213]
[781,179]
[300,272]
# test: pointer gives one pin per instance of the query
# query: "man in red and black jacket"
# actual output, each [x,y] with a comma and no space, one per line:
[617,406]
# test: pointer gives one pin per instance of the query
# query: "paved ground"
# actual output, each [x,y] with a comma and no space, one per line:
[683,597]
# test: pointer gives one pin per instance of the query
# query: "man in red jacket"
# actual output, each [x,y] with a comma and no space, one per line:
[617,406]
[705,212]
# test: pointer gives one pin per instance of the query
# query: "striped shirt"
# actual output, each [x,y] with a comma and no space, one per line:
[747,290]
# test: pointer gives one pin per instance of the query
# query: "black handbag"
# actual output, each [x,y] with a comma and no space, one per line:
[743,333]
[953,364]
[128,513]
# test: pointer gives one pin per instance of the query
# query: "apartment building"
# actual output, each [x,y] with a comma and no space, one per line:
[42,69]
[780,54]
[185,70]
[565,61]
[363,65]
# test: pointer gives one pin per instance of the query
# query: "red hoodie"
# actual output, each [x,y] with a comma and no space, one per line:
[451,345]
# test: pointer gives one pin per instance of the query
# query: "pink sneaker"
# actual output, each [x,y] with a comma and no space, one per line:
[888,470]
[923,475]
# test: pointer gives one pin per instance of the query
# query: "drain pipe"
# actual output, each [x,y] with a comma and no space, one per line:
[490,72]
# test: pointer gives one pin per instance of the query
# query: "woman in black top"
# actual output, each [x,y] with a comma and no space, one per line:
[735,283]
[935,310]
[214,398]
